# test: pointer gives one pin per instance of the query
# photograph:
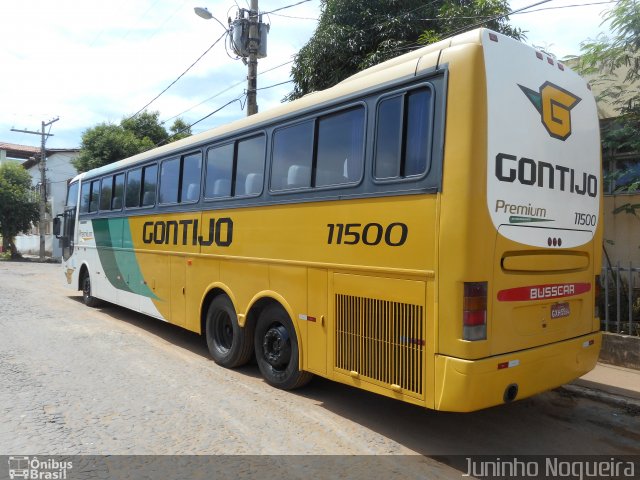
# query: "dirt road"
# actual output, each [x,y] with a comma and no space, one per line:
[77,380]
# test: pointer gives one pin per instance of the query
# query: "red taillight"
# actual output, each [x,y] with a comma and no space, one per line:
[474,312]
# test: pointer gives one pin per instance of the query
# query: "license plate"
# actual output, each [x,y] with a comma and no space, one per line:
[559,310]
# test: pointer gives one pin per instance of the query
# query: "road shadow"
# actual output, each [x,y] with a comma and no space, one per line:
[173,334]
[552,423]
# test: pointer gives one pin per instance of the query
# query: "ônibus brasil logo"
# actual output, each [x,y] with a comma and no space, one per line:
[554,105]
[32,468]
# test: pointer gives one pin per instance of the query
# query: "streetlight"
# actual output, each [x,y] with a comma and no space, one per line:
[203,13]
[206,14]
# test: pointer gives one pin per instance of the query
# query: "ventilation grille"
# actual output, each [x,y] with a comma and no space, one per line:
[381,341]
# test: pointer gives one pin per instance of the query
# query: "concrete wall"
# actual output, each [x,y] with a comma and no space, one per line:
[622,230]
[621,350]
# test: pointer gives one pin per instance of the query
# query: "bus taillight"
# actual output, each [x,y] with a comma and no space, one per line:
[474,313]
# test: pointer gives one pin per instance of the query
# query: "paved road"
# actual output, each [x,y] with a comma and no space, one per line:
[76,380]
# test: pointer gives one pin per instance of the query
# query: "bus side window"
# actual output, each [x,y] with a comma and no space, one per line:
[118,192]
[292,157]
[388,138]
[169,180]
[219,170]
[417,132]
[95,196]
[85,197]
[403,135]
[105,193]
[149,183]
[191,175]
[340,150]
[250,166]
[134,184]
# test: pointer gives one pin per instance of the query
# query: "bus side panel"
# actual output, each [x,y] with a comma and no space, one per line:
[87,249]
[466,242]
[316,351]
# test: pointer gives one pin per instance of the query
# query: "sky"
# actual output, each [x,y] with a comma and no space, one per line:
[88,62]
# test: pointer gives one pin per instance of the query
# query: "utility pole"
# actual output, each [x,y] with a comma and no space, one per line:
[248,41]
[254,38]
[43,179]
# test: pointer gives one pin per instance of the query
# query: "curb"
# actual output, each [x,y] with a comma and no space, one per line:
[632,405]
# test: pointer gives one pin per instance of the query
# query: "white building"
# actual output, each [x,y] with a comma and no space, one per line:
[59,170]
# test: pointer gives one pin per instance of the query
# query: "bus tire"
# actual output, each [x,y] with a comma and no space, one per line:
[277,351]
[229,345]
[88,299]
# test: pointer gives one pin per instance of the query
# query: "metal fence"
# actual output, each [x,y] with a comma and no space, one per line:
[619,299]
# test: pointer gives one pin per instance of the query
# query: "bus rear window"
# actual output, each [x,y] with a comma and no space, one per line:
[403,134]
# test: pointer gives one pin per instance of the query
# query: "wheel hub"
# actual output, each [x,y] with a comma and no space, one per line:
[223,331]
[277,347]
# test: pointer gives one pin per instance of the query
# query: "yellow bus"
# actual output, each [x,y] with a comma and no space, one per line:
[428,229]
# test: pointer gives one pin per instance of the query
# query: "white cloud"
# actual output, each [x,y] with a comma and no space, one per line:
[90,62]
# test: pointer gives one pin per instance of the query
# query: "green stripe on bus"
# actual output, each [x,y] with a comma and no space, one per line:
[120,266]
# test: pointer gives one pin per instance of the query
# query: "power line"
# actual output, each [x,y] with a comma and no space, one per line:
[224,91]
[200,120]
[516,13]
[274,85]
[566,6]
[292,16]
[415,45]
[180,76]
[490,19]
[287,6]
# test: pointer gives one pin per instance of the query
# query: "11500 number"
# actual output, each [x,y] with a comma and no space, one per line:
[395,234]
[585,219]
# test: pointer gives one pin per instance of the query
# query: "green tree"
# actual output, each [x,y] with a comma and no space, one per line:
[18,209]
[615,60]
[146,125]
[458,16]
[107,142]
[179,130]
[356,34]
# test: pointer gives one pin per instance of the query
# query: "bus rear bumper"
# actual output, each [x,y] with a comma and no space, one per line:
[468,385]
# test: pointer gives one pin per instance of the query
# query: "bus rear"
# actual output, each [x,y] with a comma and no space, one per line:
[520,236]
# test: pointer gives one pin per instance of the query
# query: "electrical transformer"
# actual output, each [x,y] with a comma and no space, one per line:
[239,31]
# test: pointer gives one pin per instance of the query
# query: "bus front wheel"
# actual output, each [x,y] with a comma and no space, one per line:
[88,299]
[228,343]
[277,350]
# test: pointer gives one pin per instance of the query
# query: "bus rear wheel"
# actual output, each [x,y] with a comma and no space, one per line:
[229,345]
[277,350]
[88,299]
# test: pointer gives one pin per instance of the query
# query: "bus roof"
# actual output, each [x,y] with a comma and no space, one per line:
[359,81]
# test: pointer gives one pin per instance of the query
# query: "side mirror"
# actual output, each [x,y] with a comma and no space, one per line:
[56,226]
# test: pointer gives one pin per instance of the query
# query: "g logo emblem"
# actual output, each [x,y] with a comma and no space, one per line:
[554,105]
